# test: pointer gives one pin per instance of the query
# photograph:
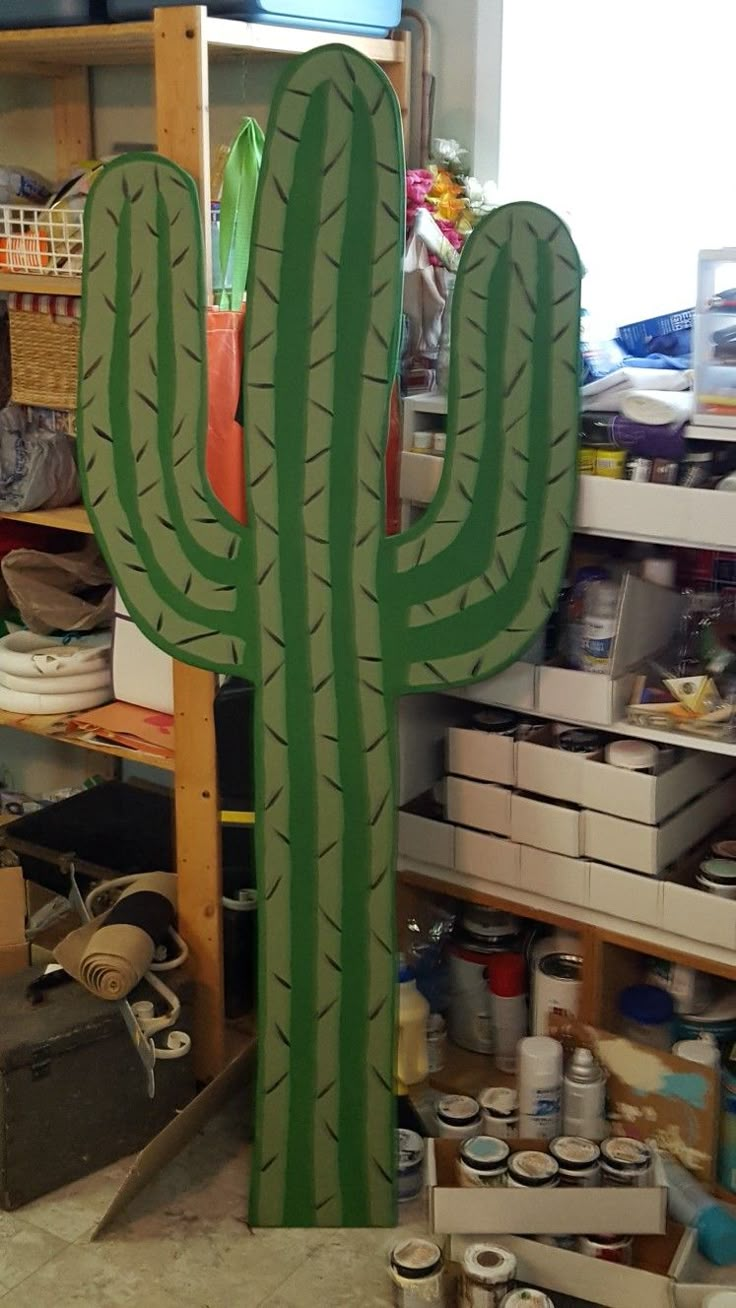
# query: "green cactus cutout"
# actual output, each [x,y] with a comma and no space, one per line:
[328,617]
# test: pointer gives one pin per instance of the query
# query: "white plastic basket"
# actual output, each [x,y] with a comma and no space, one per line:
[48,241]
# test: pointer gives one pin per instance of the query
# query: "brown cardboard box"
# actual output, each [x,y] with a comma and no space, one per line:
[13,958]
[12,907]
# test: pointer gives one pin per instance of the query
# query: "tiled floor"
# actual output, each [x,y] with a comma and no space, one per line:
[184,1243]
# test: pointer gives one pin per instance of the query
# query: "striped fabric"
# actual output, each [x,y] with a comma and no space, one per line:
[59,306]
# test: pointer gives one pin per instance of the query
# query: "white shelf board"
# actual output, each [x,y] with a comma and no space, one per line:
[638,933]
[428,402]
[480,695]
[701,430]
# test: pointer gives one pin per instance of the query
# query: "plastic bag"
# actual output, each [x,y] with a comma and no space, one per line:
[225,458]
[37,467]
[60,592]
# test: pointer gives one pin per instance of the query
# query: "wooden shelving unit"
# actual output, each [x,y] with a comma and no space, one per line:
[73,518]
[57,727]
[180,42]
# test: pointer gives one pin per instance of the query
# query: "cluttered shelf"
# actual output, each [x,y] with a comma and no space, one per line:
[64,727]
[51,51]
[72,518]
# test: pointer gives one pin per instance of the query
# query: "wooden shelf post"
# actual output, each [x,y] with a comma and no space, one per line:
[182,126]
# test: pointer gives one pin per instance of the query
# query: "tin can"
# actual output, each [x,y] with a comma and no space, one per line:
[664,472]
[625,1161]
[586,460]
[556,988]
[639,469]
[410,1150]
[532,1170]
[578,1160]
[610,463]
[608,1248]
[527,1299]
[488,1275]
[483,1162]
[418,1273]
[458,1117]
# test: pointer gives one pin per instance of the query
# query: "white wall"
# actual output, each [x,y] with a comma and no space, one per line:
[466,63]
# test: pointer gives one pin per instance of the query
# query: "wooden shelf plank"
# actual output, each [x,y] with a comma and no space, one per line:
[73,518]
[54,727]
[53,51]
[40,283]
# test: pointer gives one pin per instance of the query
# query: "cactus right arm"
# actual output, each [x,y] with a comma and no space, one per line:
[182,565]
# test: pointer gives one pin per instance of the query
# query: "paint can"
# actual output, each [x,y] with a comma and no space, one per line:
[458,1117]
[410,1149]
[608,1248]
[417,1270]
[487,1276]
[527,1299]
[483,1162]
[556,987]
[579,1161]
[532,1170]
[625,1161]
[483,932]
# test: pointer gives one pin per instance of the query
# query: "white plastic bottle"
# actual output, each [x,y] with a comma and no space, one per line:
[599,626]
[584,1097]
[412,1063]
[509,1018]
[540,1088]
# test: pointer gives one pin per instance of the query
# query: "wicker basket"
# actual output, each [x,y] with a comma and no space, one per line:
[44,346]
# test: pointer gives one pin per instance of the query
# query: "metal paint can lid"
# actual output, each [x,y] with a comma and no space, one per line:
[623,1154]
[416,1259]
[410,1148]
[532,1168]
[563,967]
[527,1299]
[489,1264]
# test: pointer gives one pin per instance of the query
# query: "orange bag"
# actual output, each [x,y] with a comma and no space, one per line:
[225,456]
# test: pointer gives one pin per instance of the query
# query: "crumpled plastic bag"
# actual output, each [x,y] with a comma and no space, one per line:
[37,467]
[60,592]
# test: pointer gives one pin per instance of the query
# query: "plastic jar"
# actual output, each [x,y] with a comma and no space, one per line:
[483,1161]
[702,1050]
[579,741]
[625,1161]
[439,443]
[717,876]
[422,441]
[500,1108]
[599,626]
[410,1168]
[418,1272]
[611,463]
[647,1013]
[527,1299]
[487,1276]
[530,1169]
[634,755]
[500,722]
[579,1160]
[458,1117]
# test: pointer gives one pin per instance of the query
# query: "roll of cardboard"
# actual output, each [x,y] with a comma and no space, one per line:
[111,954]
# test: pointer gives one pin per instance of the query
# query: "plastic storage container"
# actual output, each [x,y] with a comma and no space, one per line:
[647,1016]
[50,13]
[715,339]
[370,17]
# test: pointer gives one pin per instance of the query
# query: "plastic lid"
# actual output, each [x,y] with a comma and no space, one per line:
[717,1235]
[580,741]
[626,1153]
[499,1101]
[457,1110]
[416,1258]
[531,1167]
[634,754]
[489,1264]
[541,1049]
[507,975]
[574,1152]
[719,869]
[484,1153]
[647,1005]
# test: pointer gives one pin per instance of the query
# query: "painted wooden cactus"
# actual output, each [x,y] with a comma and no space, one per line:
[311,601]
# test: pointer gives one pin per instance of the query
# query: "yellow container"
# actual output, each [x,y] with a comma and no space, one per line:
[586,460]
[611,463]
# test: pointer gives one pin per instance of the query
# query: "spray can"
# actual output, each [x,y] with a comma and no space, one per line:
[584,1097]
[540,1087]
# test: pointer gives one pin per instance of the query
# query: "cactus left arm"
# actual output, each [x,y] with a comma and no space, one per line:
[471,584]
[178,558]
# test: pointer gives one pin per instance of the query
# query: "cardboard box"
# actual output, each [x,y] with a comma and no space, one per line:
[12,907]
[666,1273]
[625,894]
[490,857]
[420,476]
[481,755]
[650,849]
[515,688]
[13,958]
[681,514]
[456,1210]
[542,769]
[693,913]
[647,617]
[552,826]
[426,839]
[554,875]
[479,804]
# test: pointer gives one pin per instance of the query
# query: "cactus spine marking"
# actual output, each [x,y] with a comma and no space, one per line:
[330,619]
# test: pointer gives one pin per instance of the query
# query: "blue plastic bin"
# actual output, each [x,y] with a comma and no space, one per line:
[366,17]
[50,13]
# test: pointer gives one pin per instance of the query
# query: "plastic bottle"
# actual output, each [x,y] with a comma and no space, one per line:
[540,1088]
[584,1097]
[412,1064]
[691,1205]
[599,626]
[572,636]
[507,984]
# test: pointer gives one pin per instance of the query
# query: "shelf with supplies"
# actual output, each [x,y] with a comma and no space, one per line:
[57,727]
[26,283]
